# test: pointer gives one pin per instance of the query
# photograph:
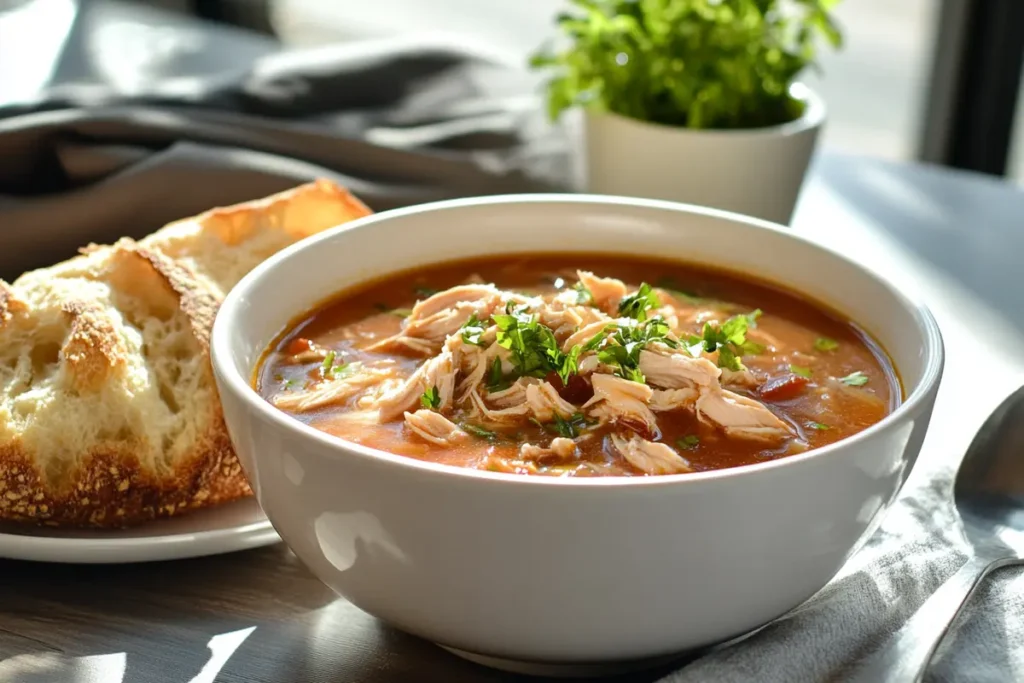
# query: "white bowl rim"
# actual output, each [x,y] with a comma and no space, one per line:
[222,358]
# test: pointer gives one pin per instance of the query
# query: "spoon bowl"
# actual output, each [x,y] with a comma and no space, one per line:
[989,488]
[988,494]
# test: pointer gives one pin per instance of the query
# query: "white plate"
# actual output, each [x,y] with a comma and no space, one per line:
[224,529]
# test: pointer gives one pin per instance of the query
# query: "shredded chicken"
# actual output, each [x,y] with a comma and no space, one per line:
[449,298]
[650,457]
[514,395]
[565,321]
[591,330]
[435,372]
[590,363]
[624,402]
[434,319]
[664,400]
[607,292]
[528,397]
[740,416]
[739,378]
[676,370]
[560,448]
[545,402]
[476,363]
[334,390]
[434,427]
[401,344]
[513,413]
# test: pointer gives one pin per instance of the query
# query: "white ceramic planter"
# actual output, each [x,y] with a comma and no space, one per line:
[757,171]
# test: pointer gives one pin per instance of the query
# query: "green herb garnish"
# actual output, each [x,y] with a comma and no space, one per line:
[472,329]
[855,379]
[328,369]
[584,296]
[569,364]
[570,428]
[688,442]
[598,338]
[637,304]
[817,425]
[425,291]
[496,380]
[291,383]
[627,341]
[479,431]
[534,351]
[800,370]
[825,344]
[729,339]
[431,398]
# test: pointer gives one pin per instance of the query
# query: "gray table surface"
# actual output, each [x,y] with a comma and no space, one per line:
[260,616]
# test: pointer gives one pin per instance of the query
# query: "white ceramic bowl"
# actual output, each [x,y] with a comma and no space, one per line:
[559,575]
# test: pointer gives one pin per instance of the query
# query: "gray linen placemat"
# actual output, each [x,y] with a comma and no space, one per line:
[917,548]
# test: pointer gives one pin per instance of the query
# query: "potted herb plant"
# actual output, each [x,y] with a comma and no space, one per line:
[693,100]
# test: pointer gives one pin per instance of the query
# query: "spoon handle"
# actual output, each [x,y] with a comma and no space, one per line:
[905,655]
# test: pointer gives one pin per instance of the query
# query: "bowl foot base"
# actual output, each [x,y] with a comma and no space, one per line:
[557,670]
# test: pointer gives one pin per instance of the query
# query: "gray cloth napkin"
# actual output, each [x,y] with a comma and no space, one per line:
[917,548]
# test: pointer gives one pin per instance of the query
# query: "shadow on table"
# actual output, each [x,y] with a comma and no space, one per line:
[257,617]
[968,226]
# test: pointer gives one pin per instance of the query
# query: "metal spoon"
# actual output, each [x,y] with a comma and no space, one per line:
[989,497]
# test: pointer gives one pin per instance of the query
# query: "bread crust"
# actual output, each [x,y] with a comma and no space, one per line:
[108,484]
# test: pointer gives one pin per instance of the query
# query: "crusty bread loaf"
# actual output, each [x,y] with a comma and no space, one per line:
[108,411]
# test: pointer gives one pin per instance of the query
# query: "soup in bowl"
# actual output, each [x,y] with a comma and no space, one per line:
[570,431]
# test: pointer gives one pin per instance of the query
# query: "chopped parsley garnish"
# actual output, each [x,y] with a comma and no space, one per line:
[855,379]
[688,442]
[598,338]
[328,369]
[431,398]
[637,304]
[800,370]
[569,364]
[729,339]
[291,383]
[479,431]
[570,428]
[817,425]
[425,291]
[472,329]
[626,343]
[583,294]
[496,380]
[825,344]
[534,351]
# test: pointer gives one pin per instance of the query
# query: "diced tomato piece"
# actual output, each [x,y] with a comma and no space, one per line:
[298,345]
[783,387]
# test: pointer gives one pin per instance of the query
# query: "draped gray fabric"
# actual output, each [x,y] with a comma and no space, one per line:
[189,115]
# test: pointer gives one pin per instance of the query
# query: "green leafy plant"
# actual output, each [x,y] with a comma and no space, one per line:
[687,63]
